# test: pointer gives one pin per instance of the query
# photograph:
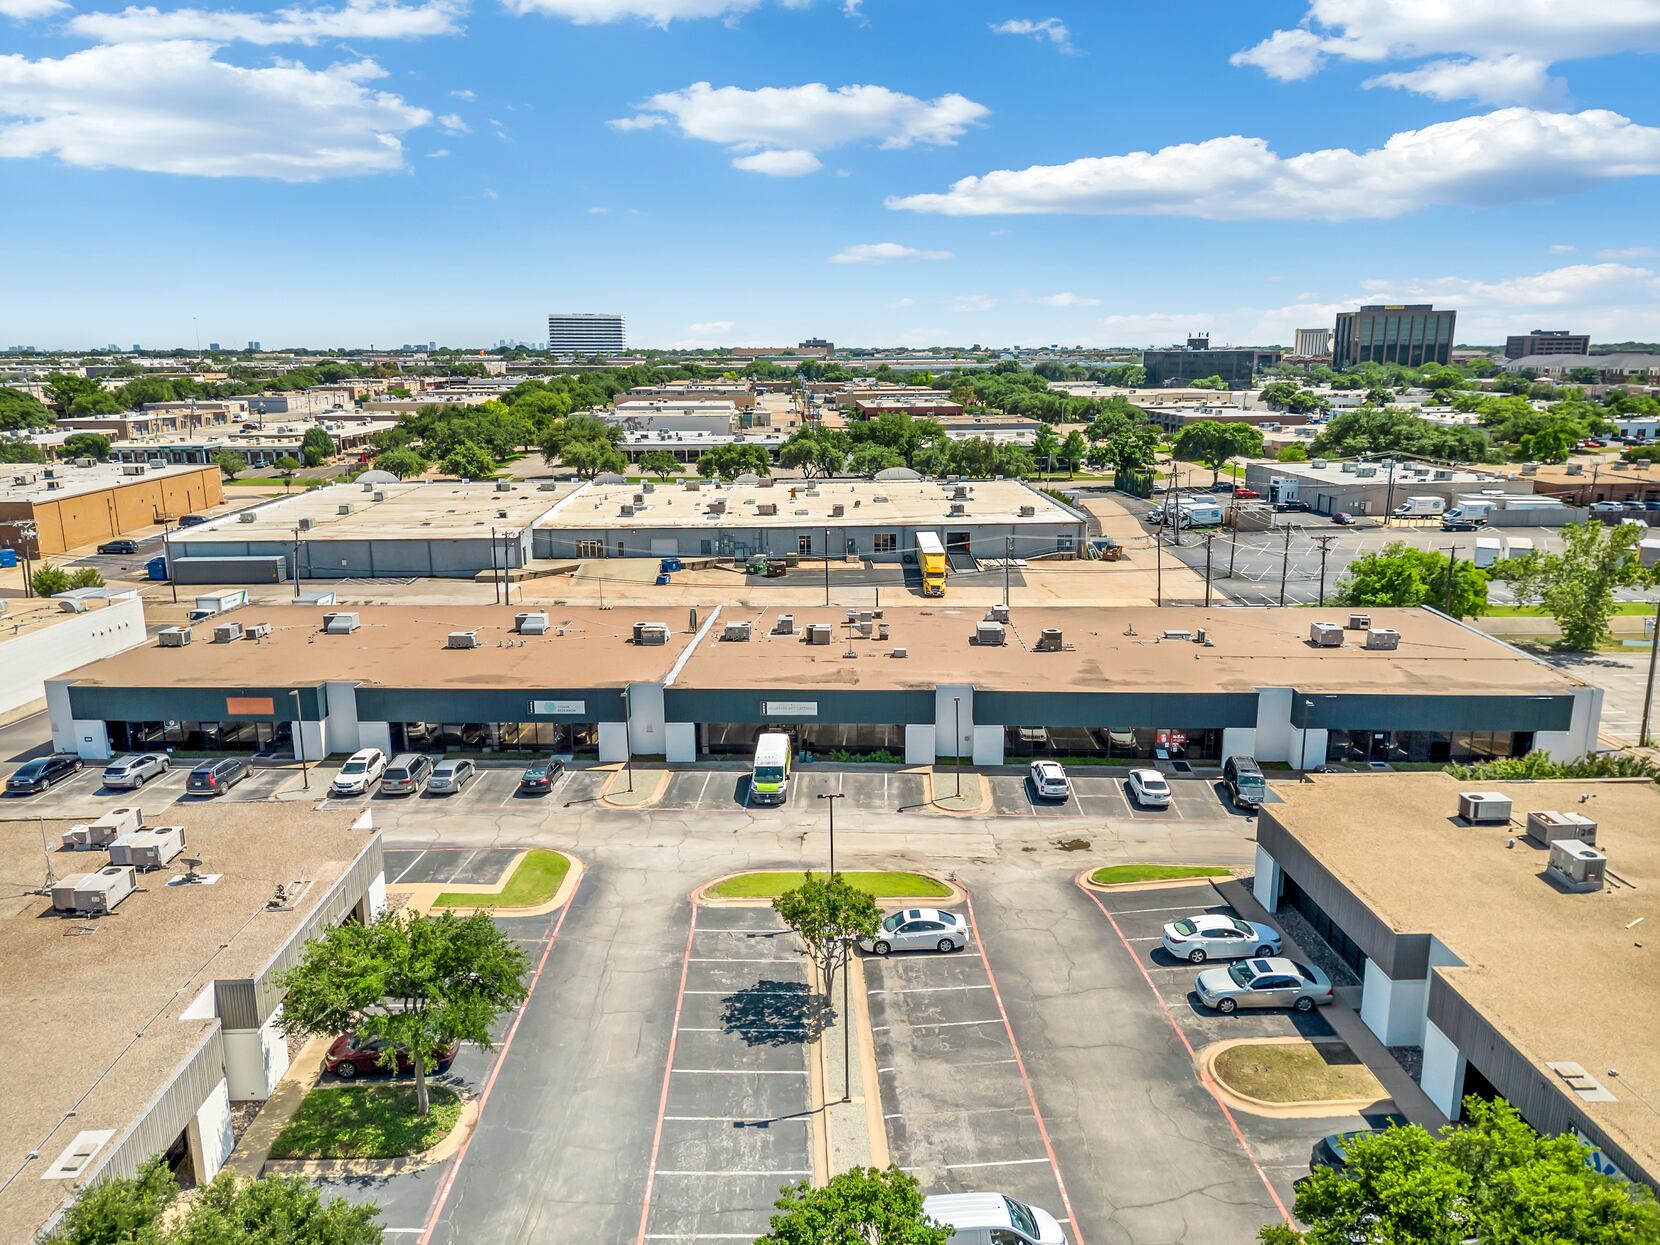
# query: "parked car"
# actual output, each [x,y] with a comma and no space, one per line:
[1241,493]
[1210,935]
[541,775]
[1272,982]
[406,774]
[1224,486]
[360,772]
[1607,507]
[918,929]
[135,769]
[118,546]
[992,1219]
[217,777]
[1461,525]
[1343,518]
[1299,507]
[350,1055]
[1049,781]
[42,774]
[1593,443]
[1149,789]
[1247,784]
[451,776]
[192,520]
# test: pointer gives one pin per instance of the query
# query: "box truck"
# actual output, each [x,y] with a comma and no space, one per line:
[1421,507]
[210,604]
[931,555]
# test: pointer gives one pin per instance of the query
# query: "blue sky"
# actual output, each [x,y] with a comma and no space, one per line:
[884,171]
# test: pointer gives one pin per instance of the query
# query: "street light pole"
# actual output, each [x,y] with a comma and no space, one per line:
[1008,557]
[827,566]
[847,1040]
[167,553]
[1648,694]
[299,740]
[296,562]
[957,740]
[628,741]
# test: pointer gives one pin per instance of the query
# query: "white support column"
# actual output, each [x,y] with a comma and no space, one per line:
[613,741]
[680,742]
[1238,741]
[1443,1071]
[988,745]
[920,738]
[1581,736]
[954,707]
[1394,1010]
[645,719]
[1269,880]
[209,1134]
[375,735]
[1273,732]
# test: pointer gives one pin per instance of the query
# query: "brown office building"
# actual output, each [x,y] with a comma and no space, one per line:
[71,507]
[1546,341]
[1410,334]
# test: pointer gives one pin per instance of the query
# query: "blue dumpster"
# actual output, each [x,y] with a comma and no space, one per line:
[8,558]
[669,565]
[157,567]
[662,579]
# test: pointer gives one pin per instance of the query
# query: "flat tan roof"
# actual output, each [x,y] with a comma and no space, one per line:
[428,511]
[1120,649]
[1564,977]
[404,646]
[75,481]
[865,503]
[91,1008]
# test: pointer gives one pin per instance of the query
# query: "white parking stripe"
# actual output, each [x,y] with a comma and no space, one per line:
[1186,907]
[956,1024]
[743,1071]
[907,989]
[731,1174]
[411,865]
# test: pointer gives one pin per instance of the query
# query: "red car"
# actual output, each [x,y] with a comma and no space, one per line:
[1247,494]
[346,1058]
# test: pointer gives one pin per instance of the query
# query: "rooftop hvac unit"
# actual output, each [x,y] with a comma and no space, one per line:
[257,631]
[148,849]
[504,486]
[344,507]
[111,826]
[368,486]
[1574,469]
[1547,827]
[837,510]
[784,624]
[173,637]
[900,652]
[532,622]
[501,514]
[53,484]
[246,516]
[881,631]
[998,613]
[960,491]
[736,632]
[626,510]
[1575,865]
[1026,512]
[1529,469]
[378,496]
[1201,636]
[1325,635]
[342,623]
[818,633]
[86,462]
[93,892]
[1176,633]
[988,632]
[1484,807]
[1348,468]
[1382,638]
[651,633]
[132,469]
[1441,473]
[648,487]
[224,633]
[1359,622]
[957,509]
[1049,640]
[1320,464]
[1365,473]
[767,507]
[461,639]
[306,523]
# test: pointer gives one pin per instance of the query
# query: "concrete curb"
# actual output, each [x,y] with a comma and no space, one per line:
[422,901]
[1223,874]
[934,799]
[359,1168]
[701,896]
[1313,1108]
[641,797]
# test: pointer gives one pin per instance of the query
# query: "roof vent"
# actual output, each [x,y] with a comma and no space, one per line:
[736,632]
[462,639]
[1325,635]
[784,624]
[148,849]
[818,633]
[306,523]
[1481,808]
[988,632]
[97,892]
[837,510]
[767,507]
[369,486]
[1176,633]
[504,486]
[1547,827]
[224,633]
[960,491]
[173,637]
[532,622]
[1049,640]
[78,1154]
[378,496]
[1360,622]
[651,633]
[344,507]
[900,652]
[1382,638]
[343,623]
[246,516]
[1026,512]
[957,508]
[1574,865]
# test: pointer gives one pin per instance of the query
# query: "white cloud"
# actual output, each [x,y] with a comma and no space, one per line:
[882,252]
[900,303]
[656,12]
[973,302]
[454,124]
[357,19]
[1512,155]
[1064,299]
[464,95]
[1629,252]
[441,154]
[772,123]
[711,328]
[28,10]
[1050,28]
[173,108]
[1562,248]
[489,194]
[779,163]
[598,211]
[1510,43]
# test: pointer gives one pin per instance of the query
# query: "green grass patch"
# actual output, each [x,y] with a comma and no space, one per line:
[1622,609]
[1113,875]
[878,884]
[371,1121]
[279,482]
[534,882]
[1288,1072]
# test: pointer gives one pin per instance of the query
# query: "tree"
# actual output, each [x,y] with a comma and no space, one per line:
[48,581]
[733,460]
[866,460]
[400,461]
[65,387]
[19,411]
[86,445]
[860,1206]
[1367,430]
[1551,444]
[117,1210]
[1576,586]
[1072,450]
[17,450]
[815,451]
[229,463]
[85,577]
[468,462]
[1208,382]
[589,458]
[827,915]
[1491,1178]
[660,463]
[419,984]
[316,447]
[1045,446]
[1291,454]
[1399,575]
[1212,443]
[286,466]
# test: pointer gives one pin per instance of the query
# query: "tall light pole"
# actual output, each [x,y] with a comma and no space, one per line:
[847,1037]
[1648,694]
[296,562]
[628,740]
[832,796]
[167,553]
[827,566]
[299,740]
[957,740]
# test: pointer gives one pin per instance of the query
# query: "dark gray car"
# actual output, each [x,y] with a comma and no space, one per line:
[217,777]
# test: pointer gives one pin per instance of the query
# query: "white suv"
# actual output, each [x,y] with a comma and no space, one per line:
[360,772]
[1049,781]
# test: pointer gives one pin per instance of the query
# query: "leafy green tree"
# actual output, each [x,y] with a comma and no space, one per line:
[1491,1178]
[65,387]
[1045,446]
[85,577]
[1291,454]
[815,451]
[86,445]
[286,466]
[1072,450]
[419,983]
[19,411]
[1552,444]
[733,460]
[17,450]
[860,1206]
[274,1210]
[101,402]
[1400,575]
[1212,442]
[574,428]
[867,459]
[117,1211]
[827,915]
[660,463]
[589,458]
[1367,430]
[468,462]
[229,463]
[316,447]
[1576,586]
[48,581]
[401,461]
[1208,382]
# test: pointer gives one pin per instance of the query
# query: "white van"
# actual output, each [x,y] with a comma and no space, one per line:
[992,1219]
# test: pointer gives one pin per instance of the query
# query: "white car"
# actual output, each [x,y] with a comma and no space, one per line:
[361,771]
[451,776]
[992,1219]
[1149,788]
[135,769]
[1210,935]
[918,929]
[1049,781]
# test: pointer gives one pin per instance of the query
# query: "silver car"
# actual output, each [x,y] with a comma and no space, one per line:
[135,769]
[1272,982]
[450,776]
[1210,935]
[919,929]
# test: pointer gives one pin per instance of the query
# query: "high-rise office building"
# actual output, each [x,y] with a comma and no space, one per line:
[1409,334]
[1546,341]
[1181,365]
[585,332]
[1313,343]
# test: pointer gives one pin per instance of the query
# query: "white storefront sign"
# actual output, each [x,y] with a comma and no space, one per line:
[789,708]
[545,707]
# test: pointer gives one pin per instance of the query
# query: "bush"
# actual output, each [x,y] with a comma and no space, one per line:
[879,757]
[85,577]
[1292,454]
[48,581]
[1538,766]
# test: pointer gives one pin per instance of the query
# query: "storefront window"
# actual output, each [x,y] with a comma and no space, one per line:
[821,739]
[496,738]
[1424,747]
[1125,743]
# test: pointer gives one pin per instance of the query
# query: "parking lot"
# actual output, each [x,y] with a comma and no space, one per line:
[493,789]
[84,794]
[1107,794]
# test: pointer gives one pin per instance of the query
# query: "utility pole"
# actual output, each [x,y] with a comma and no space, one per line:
[1233,550]
[495,580]
[1209,536]
[1285,562]
[827,566]
[1389,496]
[1648,694]
[1325,544]
[296,563]
[1158,567]
[1452,562]
[1008,557]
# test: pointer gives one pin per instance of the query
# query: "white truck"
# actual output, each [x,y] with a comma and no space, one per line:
[211,604]
[1421,508]
[1199,510]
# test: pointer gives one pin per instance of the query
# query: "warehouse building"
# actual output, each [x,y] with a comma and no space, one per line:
[51,510]
[370,531]
[1362,487]
[1500,934]
[42,637]
[1185,685]
[148,1002]
[875,519]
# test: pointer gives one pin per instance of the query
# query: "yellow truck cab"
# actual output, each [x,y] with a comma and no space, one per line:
[931,556]
[769,779]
